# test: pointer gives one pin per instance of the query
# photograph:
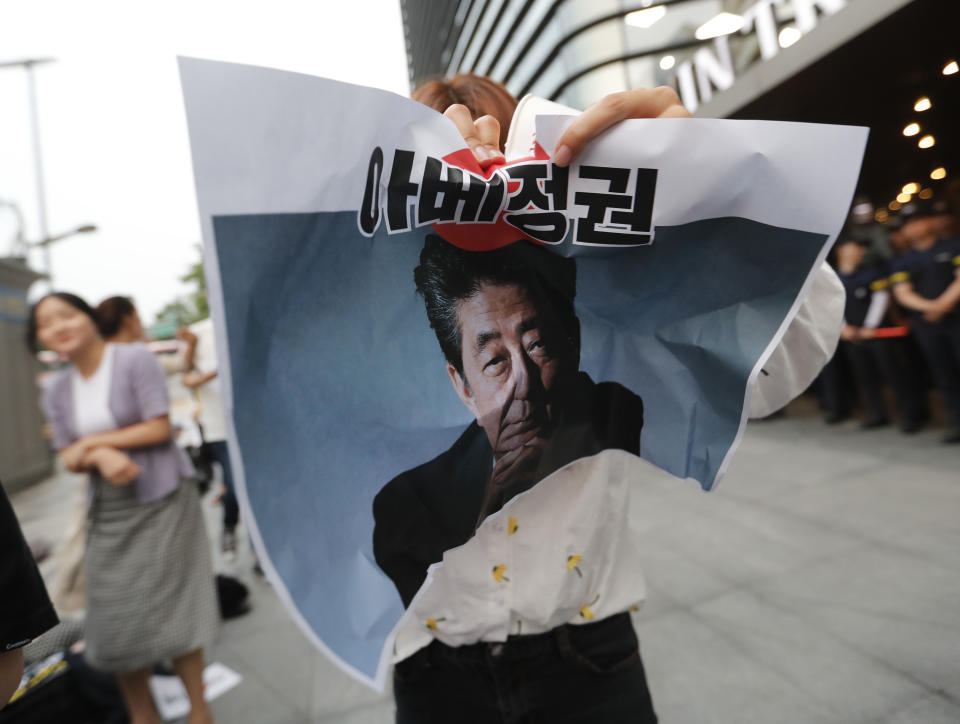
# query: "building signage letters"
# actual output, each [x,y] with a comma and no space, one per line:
[709,69]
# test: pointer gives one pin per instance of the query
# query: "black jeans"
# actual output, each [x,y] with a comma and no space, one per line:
[231,510]
[877,360]
[862,367]
[589,674]
[940,344]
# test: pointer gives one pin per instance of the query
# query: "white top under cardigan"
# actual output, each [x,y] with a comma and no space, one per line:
[91,397]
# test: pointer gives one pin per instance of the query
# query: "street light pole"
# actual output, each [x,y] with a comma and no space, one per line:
[38,168]
[85,229]
[19,242]
[28,65]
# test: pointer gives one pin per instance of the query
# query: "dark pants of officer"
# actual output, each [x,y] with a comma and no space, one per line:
[881,359]
[834,390]
[583,674]
[870,363]
[940,344]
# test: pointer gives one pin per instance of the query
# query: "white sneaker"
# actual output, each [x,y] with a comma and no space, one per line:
[228,545]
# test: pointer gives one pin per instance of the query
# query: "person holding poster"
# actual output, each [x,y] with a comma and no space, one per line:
[461,356]
[506,324]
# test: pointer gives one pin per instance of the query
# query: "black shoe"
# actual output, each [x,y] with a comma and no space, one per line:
[952,437]
[874,423]
[782,412]
[835,417]
[911,427]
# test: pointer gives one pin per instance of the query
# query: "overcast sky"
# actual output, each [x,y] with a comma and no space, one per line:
[112,124]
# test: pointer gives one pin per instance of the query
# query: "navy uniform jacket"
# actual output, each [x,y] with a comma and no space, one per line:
[435,507]
[860,287]
[931,271]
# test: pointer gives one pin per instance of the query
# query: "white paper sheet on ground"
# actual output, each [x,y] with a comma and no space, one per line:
[171,697]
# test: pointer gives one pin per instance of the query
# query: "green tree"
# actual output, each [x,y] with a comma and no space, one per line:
[176,313]
[198,297]
[185,309]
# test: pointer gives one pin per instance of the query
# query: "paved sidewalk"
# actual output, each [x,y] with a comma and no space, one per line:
[819,584]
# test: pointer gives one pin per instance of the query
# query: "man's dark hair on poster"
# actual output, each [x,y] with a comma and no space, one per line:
[448,275]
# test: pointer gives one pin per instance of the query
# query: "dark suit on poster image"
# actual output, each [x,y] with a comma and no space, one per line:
[506,323]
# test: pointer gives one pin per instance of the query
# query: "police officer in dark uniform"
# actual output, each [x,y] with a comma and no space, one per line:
[870,360]
[926,282]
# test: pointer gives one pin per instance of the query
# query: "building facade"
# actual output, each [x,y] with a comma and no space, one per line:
[859,62]
[25,454]
[575,51]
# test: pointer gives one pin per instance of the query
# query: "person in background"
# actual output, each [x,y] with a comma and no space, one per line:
[121,323]
[871,360]
[926,282]
[204,379]
[25,608]
[898,242]
[914,363]
[120,320]
[150,590]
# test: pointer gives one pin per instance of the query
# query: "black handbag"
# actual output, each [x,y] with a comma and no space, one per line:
[64,689]
[202,462]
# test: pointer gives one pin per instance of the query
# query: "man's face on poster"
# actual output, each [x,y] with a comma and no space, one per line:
[517,364]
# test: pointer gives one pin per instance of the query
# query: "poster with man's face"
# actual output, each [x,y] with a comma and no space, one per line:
[418,348]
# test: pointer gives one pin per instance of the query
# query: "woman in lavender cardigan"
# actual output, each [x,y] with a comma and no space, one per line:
[150,589]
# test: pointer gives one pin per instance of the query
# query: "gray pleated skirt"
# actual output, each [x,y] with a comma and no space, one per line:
[151,595]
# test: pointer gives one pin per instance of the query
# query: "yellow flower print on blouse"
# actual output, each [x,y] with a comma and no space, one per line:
[512,526]
[586,612]
[572,562]
[432,623]
[498,572]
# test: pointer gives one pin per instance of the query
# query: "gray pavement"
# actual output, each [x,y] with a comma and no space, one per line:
[819,584]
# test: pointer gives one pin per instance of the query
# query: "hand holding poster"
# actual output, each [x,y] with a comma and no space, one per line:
[445,380]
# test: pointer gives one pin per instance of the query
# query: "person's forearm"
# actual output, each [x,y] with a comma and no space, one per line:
[950,296]
[190,354]
[143,434]
[198,379]
[82,466]
[911,300]
[173,364]
[11,670]
[91,458]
